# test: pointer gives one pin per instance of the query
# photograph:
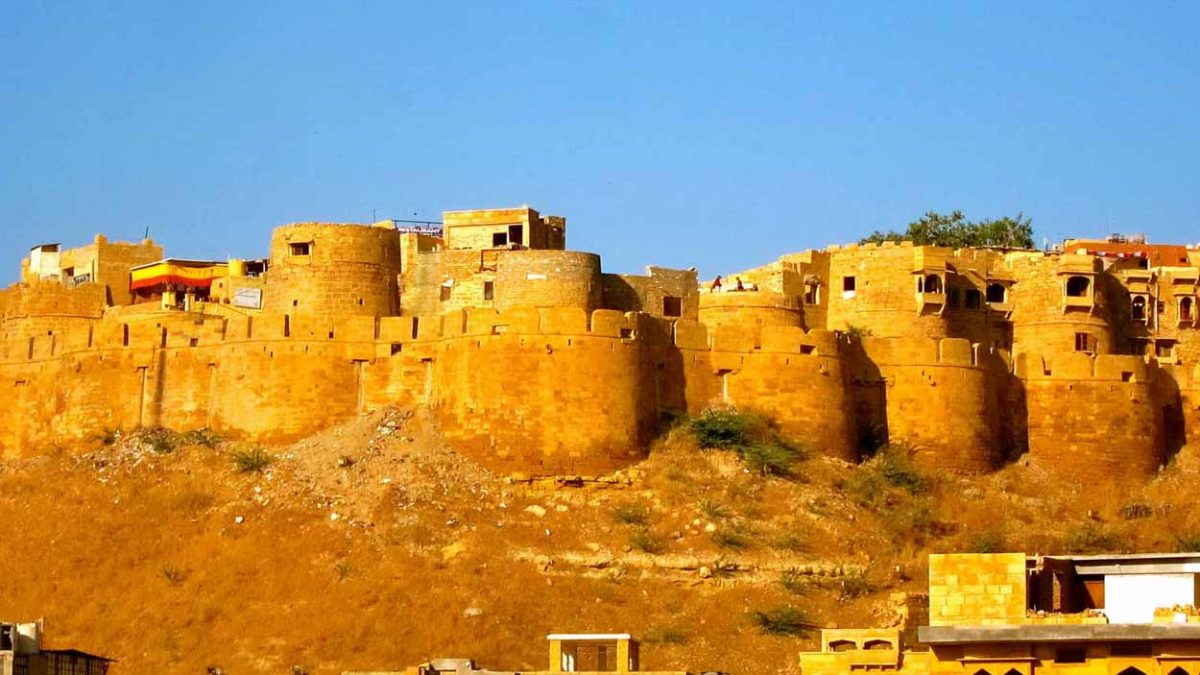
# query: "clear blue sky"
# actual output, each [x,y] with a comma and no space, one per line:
[673,133]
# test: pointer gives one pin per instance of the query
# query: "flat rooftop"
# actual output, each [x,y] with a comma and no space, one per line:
[1106,632]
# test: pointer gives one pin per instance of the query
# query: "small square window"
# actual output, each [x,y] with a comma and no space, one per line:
[489,290]
[849,284]
[672,306]
[1164,349]
[445,294]
[300,248]
[499,239]
[1084,343]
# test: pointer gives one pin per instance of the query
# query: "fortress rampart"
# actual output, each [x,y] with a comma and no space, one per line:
[939,397]
[535,361]
[1092,417]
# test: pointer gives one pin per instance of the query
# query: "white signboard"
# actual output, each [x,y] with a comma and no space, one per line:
[1132,598]
[250,298]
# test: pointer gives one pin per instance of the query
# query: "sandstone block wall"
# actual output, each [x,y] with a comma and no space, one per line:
[548,279]
[977,589]
[1043,321]
[795,378]
[1092,418]
[649,293]
[542,392]
[940,399]
[752,309]
[348,270]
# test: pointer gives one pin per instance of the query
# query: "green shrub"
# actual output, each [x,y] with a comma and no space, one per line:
[896,468]
[789,541]
[647,542]
[991,541]
[770,459]
[1093,538]
[854,585]
[914,517]
[250,461]
[785,620]
[858,332]
[1189,542]
[161,441]
[732,538]
[864,487]
[631,514]
[794,582]
[203,437]
[713,510]
[724,428]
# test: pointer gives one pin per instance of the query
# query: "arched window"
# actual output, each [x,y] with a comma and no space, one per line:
[1178,671]
[1185,309]
[1012,671]
[842,646]
[1131,671]
[1139,308]
[878,645]
[982,671]
[1077,287]
[933,284]
[995,293]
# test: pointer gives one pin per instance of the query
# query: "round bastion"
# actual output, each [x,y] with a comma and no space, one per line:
[329,269]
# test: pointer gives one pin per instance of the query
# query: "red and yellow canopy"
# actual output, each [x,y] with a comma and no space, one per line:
[191,273]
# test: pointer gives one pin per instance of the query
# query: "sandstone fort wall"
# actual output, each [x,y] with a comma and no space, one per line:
[535,362]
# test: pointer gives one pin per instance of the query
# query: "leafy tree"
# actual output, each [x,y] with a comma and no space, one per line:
[955,231]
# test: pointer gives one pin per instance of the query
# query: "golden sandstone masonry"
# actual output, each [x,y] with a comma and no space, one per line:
[538,362]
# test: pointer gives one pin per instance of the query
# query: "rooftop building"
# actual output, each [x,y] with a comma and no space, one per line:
[1009,614]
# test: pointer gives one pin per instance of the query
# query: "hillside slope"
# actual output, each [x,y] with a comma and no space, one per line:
[373,545]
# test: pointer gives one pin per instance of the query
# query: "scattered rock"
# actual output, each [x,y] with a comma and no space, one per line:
[705,572]
[537,510]
[239,519]
[472,612]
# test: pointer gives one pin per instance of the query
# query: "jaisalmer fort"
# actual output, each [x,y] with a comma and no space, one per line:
[1084,357]
[1080,359]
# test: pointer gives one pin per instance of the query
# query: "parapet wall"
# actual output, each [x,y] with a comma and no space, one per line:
[1092,418]
[43,308]
[751,309]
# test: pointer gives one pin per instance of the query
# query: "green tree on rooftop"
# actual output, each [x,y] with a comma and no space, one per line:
[954,230]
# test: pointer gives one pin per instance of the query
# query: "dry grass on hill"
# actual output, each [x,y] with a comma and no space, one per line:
[373,545]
